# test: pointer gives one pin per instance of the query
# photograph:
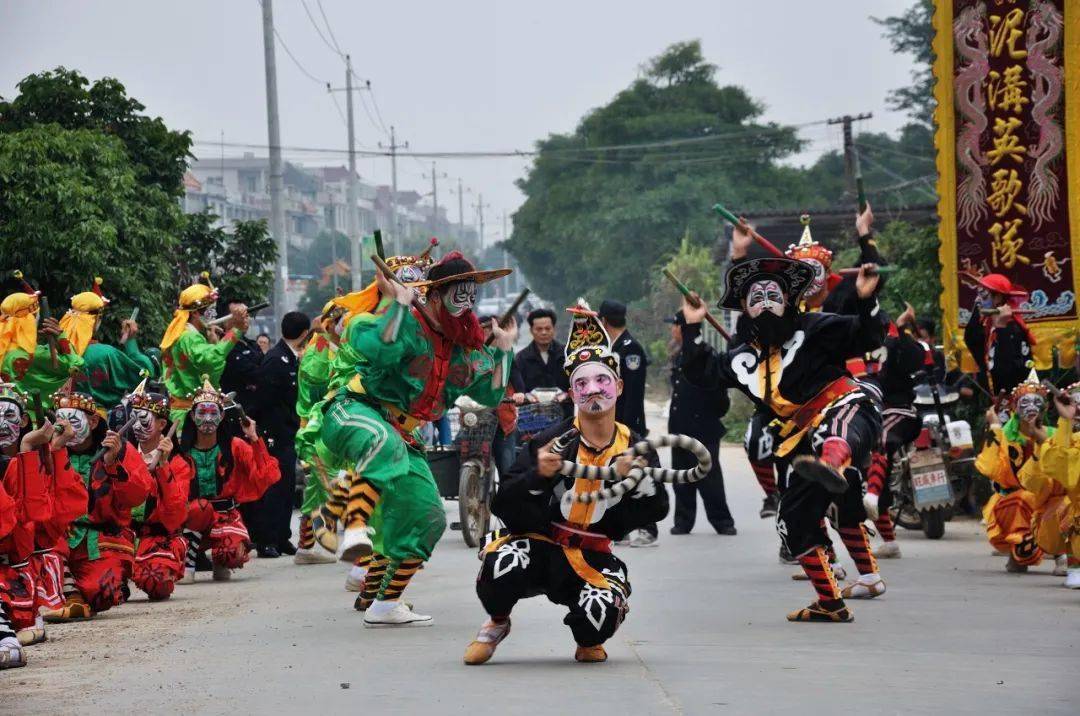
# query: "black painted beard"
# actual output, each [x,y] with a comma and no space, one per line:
[772,330]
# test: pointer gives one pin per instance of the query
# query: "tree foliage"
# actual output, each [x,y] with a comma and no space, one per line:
[602,219]
[88,187]
[72,208]
[912,33]
[240,261]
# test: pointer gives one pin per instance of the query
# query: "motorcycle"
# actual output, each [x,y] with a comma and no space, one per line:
[931,474]
[477,473]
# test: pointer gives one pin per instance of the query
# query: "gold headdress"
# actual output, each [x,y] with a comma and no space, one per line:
[807,248]
[588,341]
[193,298]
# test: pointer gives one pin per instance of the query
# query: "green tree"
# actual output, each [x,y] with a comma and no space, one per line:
[914,249]
[240,261]
[72,208]
[598,221]
[912,33]
[88,187]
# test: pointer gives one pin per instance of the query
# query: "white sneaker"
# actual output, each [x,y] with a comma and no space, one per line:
[222,574]
[11,653]
[188,578]
[867,586]
[870,502]
[888,550]
[1072,579]
[354,580]
[838,571]
[641,538]
[316,555]
[356,543]
[1061,565]
[380,616]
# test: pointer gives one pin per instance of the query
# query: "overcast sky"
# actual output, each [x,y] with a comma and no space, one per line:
[453,76]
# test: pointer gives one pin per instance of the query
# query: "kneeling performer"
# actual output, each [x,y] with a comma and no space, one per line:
[557,546]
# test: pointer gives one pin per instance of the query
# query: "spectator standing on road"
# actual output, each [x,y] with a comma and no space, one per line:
[276,415]
[696,412]
[630,410]
[539,364]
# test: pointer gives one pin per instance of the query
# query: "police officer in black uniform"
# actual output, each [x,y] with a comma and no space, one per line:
[696,412]
[630,409]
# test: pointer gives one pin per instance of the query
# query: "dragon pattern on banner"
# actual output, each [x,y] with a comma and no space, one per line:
[1008,158]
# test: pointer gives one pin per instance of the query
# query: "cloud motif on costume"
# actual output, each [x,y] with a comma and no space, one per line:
[595,602]
[512,555]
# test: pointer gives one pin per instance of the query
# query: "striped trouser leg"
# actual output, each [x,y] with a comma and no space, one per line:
[193,540]
[69,582]
[6,629]
[397,577]
[307,535]
[376,570]
[363,497]
[334,507]
[816,565]
[857,543]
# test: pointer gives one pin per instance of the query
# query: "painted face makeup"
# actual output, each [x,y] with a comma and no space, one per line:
[10,423]
[765,296]
[210,314]
[818,284]
[1075,397]
[594,388]
[1030,406]
[145,424]
[460,297]
[207,417]
[80,422]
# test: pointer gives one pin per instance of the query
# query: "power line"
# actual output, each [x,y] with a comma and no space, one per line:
[292,57]
[314,24]
[529,153]
[890,150]
[329,28]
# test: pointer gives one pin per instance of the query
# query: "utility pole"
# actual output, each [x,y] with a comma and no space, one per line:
[394,146]
[354,219]
[461,192]
[506,257]
[435,198]
[277,207]
[851,157]
[480,206]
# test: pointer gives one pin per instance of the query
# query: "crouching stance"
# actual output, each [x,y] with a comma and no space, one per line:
[553,544]
[159,554]
[228,471]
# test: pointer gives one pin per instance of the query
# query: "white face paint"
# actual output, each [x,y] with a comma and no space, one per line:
[1075,397]
[210,314]
[1030,406]
[819,277]
[459,297]
[80,422]
[145,424]
[10,423]
[764,296]
[594,388]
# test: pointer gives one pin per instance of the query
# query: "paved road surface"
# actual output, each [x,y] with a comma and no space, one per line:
[706,635]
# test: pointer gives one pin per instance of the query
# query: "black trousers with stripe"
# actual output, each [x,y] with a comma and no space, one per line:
[803,504]
[525,567]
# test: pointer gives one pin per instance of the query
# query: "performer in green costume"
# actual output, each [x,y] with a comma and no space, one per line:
[109,374]
[32,367]
[187,350]
[414,361]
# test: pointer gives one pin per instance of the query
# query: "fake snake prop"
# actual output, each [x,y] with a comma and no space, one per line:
[622,485]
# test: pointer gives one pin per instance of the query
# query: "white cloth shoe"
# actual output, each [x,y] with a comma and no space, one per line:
[354,580]
[393,614]
[867,586]
[1061,565]
[11,653]
[354,544]
[888,550]
[316,555]
[641,538]
[188,578]
[1072,579]
[870,502]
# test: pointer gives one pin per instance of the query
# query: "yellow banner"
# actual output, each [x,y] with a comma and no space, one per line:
[1008,161]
